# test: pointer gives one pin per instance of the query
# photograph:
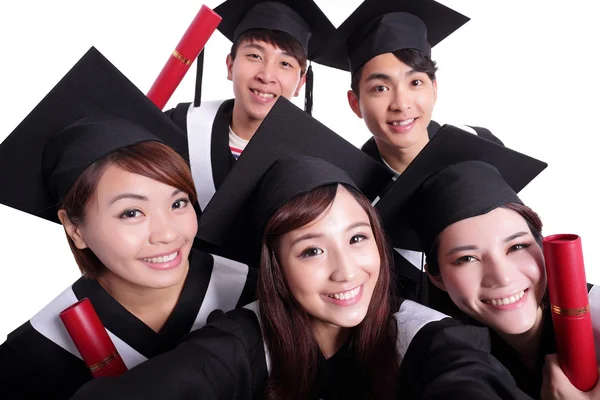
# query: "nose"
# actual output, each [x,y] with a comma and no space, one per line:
[266,73]
[498,273]
[343,266]
[401,101]
[163,228]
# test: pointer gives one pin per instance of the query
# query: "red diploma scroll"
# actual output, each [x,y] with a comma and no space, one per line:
[190,45]
[570,306]
[92,341]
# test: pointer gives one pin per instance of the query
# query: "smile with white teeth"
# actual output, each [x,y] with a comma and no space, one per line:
[261,94]
[402,123]
[507,300]
[350,294]
[162,259]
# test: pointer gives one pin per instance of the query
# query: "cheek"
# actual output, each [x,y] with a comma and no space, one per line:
[188,225]
[304,278]
[461,284]
[113,241]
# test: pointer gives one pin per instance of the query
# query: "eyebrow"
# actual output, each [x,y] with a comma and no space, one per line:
[473,247]
[262,48]
[135,196]
[385,77]
[514,236]
[318,235]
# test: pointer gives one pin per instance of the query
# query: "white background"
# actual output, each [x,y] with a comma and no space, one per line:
[525,69]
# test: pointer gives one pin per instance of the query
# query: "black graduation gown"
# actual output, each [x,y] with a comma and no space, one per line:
[207,130]
[410,276]
[528,379]
[228,359]
[39,360]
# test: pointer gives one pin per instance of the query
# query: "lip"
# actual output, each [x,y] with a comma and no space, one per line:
[349,302]
[510,307]
[165,265]
[402,128]
[260,99]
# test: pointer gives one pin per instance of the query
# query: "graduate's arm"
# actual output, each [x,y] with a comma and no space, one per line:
[448,360]
[212,363]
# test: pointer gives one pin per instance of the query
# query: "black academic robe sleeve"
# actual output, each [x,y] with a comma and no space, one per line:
[223,360]
[448,360]
[17,379]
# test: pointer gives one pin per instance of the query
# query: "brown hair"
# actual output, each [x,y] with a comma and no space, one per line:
[411,57]
[150,159]
[290,339]
[282,40]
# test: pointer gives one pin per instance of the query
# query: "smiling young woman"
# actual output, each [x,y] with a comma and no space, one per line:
[98,157]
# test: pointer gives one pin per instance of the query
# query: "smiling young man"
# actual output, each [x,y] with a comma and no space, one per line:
[272,42]
[386,46]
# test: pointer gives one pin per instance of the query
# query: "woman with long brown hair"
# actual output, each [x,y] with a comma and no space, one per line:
[326,325]
[98,157]
[484,250]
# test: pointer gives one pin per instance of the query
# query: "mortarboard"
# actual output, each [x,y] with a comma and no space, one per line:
[456,176]
[93,110]
[384,26]
[301,19]
[291,153]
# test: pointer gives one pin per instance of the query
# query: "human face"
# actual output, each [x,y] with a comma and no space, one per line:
[332,264]
[261,73]
[142,230]
[493,270]
[395,101]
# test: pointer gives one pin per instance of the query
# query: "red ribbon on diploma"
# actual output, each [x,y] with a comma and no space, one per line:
[190,45]
[92,340]
[567,289]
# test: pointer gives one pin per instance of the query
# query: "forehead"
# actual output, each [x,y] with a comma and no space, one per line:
[493,226]
[116,180]
[343,211]
[261,45]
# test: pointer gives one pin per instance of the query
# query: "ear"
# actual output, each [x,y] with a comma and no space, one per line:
[434,90]
[300,84]
[436,279]
[354,103]
[73,231]
[229,63]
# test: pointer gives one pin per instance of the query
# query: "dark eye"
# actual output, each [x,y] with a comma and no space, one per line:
[131,214]
[180,203]
[518,246]
[464,260]
[286,64]
[416,82]
[357,238]
[311,252]
[253,56]
[380,89]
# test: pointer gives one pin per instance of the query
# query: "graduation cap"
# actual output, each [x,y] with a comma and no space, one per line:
[291,153]
[92,111]
[301,19]
[456,176]
[385,26]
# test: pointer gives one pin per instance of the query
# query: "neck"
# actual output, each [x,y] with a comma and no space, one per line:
[527,344]
[151,306]
[330,338]
[399,158]
[243,124]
